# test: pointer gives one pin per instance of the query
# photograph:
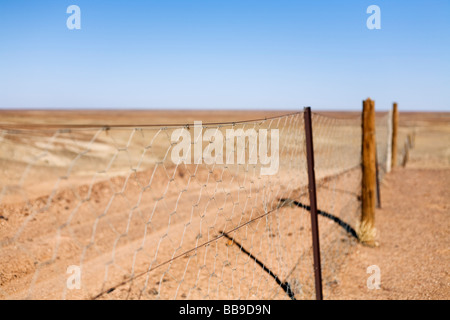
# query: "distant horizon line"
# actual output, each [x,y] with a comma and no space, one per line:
[208,109]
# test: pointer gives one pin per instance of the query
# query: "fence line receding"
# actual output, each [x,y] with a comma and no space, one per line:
[111,202]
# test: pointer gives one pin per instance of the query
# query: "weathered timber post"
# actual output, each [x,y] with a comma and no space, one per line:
[368,195]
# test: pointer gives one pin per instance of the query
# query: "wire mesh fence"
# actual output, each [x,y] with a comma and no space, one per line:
[383,124]
[338,167]
[112,203]
[384,132]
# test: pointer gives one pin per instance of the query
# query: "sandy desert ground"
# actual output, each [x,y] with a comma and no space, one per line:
[96,189]
[413,223]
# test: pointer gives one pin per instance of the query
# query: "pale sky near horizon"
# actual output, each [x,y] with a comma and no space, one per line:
[234,54]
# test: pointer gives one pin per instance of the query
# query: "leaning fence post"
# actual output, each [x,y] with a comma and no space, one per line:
[366,229]
[313,202]
[394,135]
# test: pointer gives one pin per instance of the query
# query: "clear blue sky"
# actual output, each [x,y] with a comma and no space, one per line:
[250,54]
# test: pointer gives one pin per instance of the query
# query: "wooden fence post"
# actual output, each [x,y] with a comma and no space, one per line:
[366,229]
[394,135]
